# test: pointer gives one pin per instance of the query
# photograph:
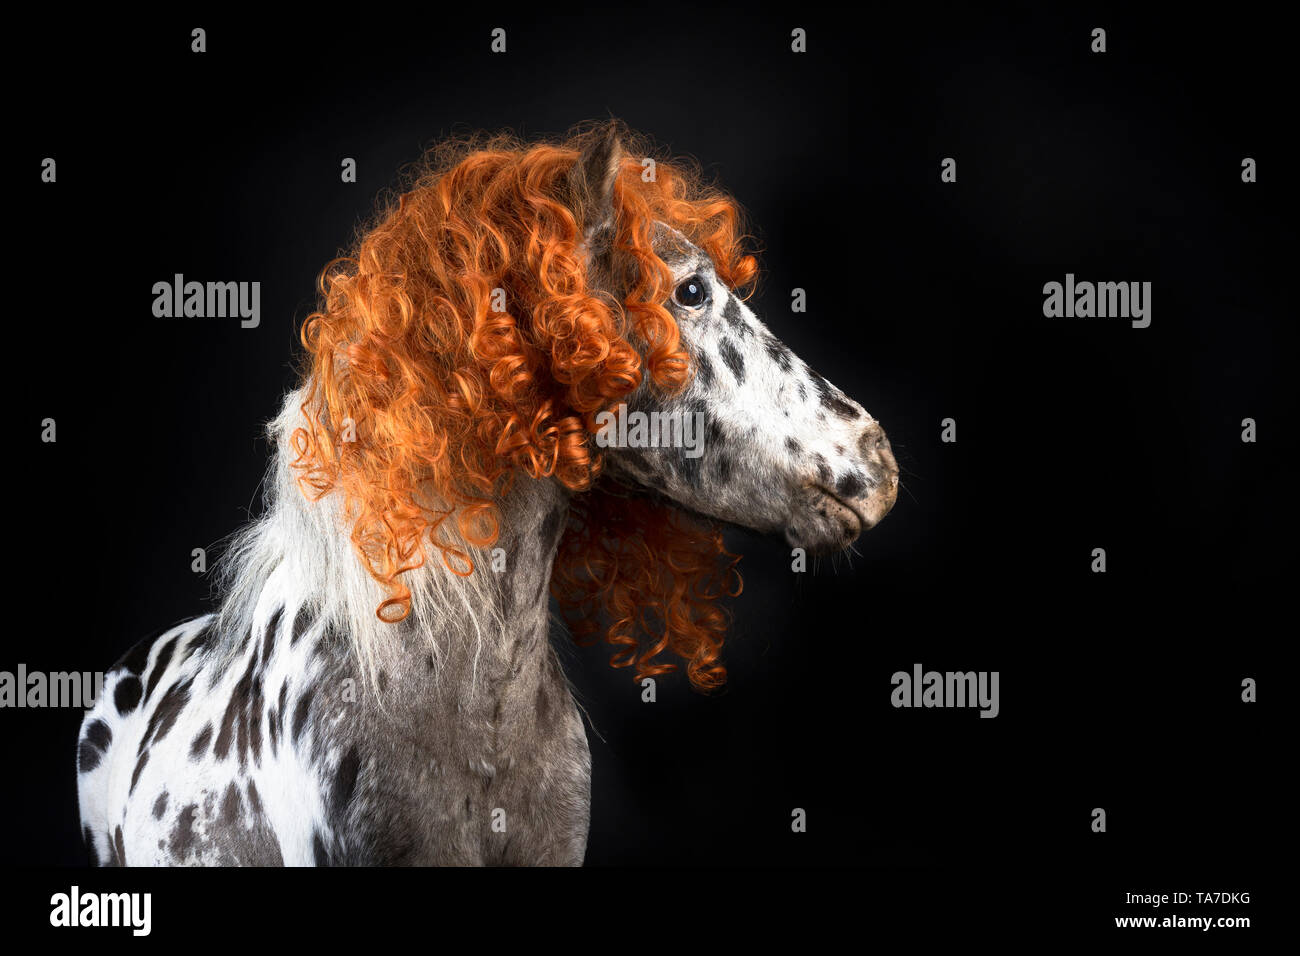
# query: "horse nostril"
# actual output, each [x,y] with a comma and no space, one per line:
[873,440]
[875,448]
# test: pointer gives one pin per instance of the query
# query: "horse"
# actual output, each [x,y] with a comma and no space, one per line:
[377,683]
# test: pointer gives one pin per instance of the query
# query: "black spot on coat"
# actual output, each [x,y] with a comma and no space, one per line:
[164,658]
[689,468]
[232,721]
[87,757]
[300,714]
[319,853]
[164,717]
[90,845]
[135,775]
[121,847]
[232,807]
[703,369]
[714,436]
[850,485]
[779,353]
[99,733]
[272,629]
[253,718]
[731,312]
[300,623]
[823,470]
[543,704]
[735,361]
[200,745]
[198,642]
[136,659]
[551,525]
[98,737]
[182,835]
[832,401]
[345,780]
[127,695]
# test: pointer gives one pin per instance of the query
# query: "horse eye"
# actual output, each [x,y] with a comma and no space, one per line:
[691,293]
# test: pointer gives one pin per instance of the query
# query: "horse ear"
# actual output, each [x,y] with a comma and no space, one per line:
[591,181]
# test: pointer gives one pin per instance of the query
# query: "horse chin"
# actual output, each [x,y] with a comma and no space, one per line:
[824,522]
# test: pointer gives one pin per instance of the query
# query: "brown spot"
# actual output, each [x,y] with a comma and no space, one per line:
[231,806]
[234,713]
[182,835]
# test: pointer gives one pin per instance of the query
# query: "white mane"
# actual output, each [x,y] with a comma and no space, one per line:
[299,554]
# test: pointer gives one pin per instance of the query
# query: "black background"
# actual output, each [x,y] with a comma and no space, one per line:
[1119,690]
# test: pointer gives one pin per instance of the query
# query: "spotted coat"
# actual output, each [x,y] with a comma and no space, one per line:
[258,736]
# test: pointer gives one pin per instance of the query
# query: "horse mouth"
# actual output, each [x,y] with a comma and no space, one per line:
[833,506]
[834,518]
[854,510]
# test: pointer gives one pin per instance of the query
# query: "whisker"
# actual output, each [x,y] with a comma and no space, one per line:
[909,491]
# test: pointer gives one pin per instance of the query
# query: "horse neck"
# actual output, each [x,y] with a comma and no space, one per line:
[476,650]
[497,618]
[467,638]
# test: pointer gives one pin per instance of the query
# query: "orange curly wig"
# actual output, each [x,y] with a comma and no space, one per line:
[444,400]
